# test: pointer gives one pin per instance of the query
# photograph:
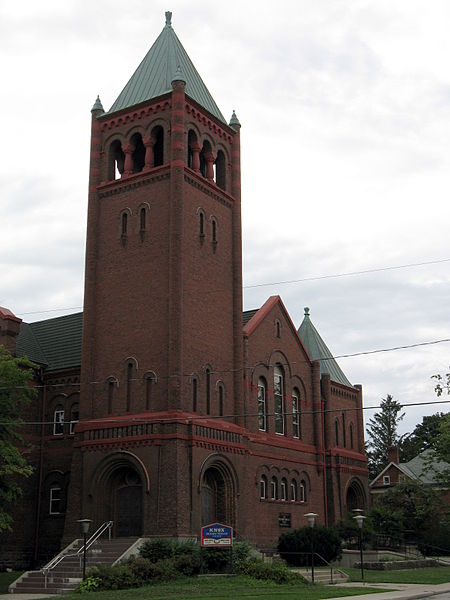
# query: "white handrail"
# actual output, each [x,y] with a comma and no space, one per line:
[61,556]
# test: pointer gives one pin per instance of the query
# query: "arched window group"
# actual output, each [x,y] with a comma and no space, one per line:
[65,414]
[284,489]
[139,153]
[133,391]
[202,159]
[130,223]
[208,227]
[347,441]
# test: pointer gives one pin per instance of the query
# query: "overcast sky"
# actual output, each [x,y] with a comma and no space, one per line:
[345,113]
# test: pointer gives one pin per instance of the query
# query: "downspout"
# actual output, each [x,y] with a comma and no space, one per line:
[41,463]
[324,473]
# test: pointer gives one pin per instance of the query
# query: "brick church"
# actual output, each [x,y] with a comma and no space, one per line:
[163,406]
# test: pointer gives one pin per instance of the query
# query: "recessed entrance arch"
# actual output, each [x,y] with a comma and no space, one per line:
[218,493]
[355,497]
[118,496]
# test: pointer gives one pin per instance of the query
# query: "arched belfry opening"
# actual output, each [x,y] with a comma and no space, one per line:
[220,168]
[138,155]
[158,147]
[118,497]
[218,495]
[116,161]
[355,497]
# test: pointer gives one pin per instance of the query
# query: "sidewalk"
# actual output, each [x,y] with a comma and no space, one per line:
[400,591]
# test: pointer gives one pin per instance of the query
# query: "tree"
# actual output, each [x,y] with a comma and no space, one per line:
[382,432]
[424,437]
[15,393]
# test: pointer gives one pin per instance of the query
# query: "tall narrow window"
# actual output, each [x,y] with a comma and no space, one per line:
[221,398]
[351,436]
[201,224]
[336,432]
[262,409]
[111,385]
[302,491]
[55,507]
[263,487]
[194,394]
[148,391]
[58,421]
[295,414]
[129,385]
[214,231]
[284,490]
[274,488]
[293,491]
[142,221]
[74,417]
[278,400]
[344,432]
[208,390]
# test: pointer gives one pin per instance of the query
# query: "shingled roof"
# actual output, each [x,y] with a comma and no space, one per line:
[318,350]
[154,75]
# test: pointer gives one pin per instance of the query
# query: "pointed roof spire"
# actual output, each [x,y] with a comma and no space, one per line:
[98,106]
[317,349]
[154,75]
[234,121]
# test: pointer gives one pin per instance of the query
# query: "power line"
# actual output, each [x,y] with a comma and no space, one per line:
[123,418]
[285,282]
[221,371]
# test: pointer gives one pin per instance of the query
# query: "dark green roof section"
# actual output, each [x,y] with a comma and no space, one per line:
[27,345]
[154,76]
[55,343]
[318,350]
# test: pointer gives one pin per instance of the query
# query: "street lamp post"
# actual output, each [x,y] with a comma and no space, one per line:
[359,518]
[311,517]
[84,529]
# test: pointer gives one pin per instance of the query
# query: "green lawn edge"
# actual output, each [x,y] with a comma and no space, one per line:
[429,575]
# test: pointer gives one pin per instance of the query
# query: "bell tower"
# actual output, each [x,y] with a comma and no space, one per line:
[163,303]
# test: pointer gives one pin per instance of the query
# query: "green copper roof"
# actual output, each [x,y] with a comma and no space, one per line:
[154,75]
[318,350]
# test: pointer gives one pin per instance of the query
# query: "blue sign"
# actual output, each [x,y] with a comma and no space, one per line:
[217,534]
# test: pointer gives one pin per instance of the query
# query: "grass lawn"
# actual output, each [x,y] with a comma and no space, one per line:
[433,575]
[223,588]
[6,579]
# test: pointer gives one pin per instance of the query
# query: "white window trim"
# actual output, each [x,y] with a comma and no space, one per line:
[386,480]
[279,415]
[58,420]
[262,407]
[263,488]
[53,489]
[295,416]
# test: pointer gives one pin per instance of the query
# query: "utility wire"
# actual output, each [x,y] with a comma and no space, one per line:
[286,282]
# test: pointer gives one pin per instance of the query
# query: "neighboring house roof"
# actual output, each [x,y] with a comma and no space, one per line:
[423,468]
[155,74]
[54,343]
[318,350]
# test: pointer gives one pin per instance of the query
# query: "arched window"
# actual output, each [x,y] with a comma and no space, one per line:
[214,231]
[55,500]
[296,430]
[208,390]
[110,385]
[74,417]
[263,487]
[344,432]
[142,221]
[130,373]
[201,224]
[124,225]
[293,490]
[149,380]
[278,328]
[58,420]
[221,170]
[158,148]
[194,393]
[138,155]
[302,491]
[278,394]
[284,490]
[351,436]
[274,488]
[116,161]
[336,432]
[262,408]
[221,393]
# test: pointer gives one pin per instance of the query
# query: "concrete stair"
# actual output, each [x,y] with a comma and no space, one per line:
[67,574]
[323,575]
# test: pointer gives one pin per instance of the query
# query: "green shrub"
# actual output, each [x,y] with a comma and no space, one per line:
[90,584]
[215,560]
[277,572]
[295,546]
[187,564]
[156,550]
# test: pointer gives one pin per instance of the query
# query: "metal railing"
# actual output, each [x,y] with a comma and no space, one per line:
[322,563]
[49,567]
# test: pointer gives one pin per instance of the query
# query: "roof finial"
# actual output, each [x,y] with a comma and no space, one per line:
[234,121]
[97,106]
[168,18]
[306,311]
[179,76]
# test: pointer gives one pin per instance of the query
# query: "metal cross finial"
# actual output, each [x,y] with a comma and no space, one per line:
[168,19]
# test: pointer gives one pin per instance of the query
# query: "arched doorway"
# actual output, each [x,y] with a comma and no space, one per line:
[118,495]
[217,495]
[355,496]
